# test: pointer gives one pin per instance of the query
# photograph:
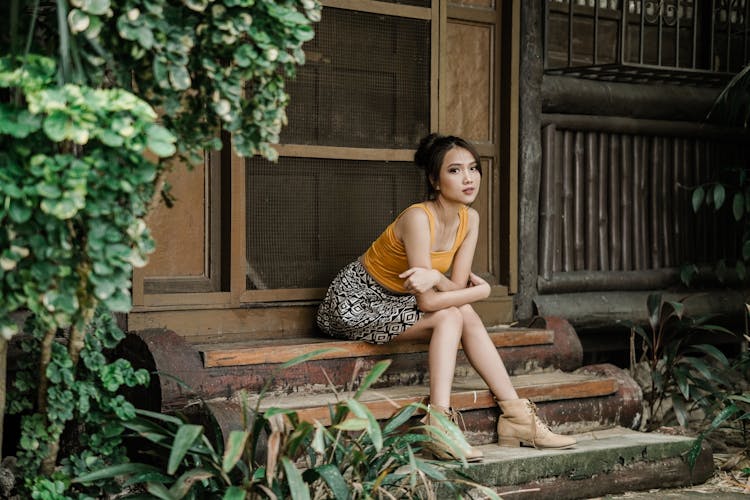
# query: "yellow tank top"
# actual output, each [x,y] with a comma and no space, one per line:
[386,257]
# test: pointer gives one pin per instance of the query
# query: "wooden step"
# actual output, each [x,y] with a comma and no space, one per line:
[281,351]
[469,393]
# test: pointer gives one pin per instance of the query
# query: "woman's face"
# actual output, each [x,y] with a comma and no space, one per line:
[459,177]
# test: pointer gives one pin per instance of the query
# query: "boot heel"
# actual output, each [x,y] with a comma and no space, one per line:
[508,442]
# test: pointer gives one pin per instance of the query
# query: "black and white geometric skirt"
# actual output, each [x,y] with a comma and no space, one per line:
[357,307]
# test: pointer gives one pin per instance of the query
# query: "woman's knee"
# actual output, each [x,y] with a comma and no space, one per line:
[451,315]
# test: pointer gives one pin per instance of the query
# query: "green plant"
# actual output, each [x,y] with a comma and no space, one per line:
[352,458]
[672,368]
[82,156]
[732,180]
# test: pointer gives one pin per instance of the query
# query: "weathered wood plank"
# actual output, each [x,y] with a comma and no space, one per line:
[240,354]
[384,403]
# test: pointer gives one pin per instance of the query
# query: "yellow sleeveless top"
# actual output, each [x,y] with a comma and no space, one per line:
[386,257]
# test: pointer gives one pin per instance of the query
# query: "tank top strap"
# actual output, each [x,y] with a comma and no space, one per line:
[463,226]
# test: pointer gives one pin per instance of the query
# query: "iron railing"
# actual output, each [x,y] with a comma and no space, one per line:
[682,41]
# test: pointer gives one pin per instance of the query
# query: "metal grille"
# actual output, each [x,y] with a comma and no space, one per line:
[679,41]
[366,83]
[307,218]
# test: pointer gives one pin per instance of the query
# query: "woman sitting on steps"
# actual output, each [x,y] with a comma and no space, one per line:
[398,291]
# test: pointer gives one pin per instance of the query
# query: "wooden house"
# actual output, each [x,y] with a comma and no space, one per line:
[588,115]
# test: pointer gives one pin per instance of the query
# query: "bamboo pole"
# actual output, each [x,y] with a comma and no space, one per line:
[637,203]
[701,245]
[580,204]
[627,202]
[592,203]
[643,194]
[666,199]
[614,203]
[546,208]
[677,201]
[557,264]
[690,217]
[567,161]
[603,190]
[655,205]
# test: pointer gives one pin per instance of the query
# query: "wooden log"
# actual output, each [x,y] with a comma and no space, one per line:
[615,248]
[592,202]
[590,310]
[546,203]
[584,281]
[614,124]
[627,202]
[603,190]
[656,205]
[570,95]
[580,203]
[567,163]
[667,215]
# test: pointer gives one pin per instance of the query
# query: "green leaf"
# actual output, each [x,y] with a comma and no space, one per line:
[680,411]
[179,78]
[653,302]
[160,141]
[371,377]
[373,427]
[698,196]
[127,469]
[719,196]
[182,486]
[310,355]
[741,270]
[335,481]
[297,487]
[234,493]
[19,212]
[235,447]
[183,441]
[681,377]
[738,206]
[713,352]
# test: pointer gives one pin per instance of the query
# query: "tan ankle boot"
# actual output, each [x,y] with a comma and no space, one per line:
[520,425]
[439,449]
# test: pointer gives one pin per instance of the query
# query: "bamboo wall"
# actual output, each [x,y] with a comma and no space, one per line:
[615,203]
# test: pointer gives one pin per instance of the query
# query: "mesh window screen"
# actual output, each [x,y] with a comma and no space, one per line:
[307,218]
[366,83]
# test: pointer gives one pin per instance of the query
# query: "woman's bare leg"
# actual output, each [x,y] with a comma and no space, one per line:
[443,329]
[483,355]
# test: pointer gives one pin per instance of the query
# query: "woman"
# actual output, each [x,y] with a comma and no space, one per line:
[399,291]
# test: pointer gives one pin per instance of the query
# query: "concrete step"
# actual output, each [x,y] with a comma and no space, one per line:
[603,462]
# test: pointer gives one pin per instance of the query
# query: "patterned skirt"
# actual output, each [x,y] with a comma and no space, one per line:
[357,307]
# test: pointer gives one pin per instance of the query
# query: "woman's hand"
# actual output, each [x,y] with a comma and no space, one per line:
[476,281]
[419,280]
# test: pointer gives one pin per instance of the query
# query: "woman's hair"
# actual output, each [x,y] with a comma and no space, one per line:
[431,153]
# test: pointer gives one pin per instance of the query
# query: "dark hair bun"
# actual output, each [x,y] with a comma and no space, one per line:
[424,151]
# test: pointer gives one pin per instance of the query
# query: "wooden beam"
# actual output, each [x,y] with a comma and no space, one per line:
[385,403]
[215,355]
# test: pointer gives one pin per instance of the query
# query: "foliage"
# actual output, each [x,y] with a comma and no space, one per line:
[732,182]
[352,458]
[681,375]
[81,156]
[86,394]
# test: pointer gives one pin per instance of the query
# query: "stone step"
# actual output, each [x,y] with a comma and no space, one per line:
[603,462]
